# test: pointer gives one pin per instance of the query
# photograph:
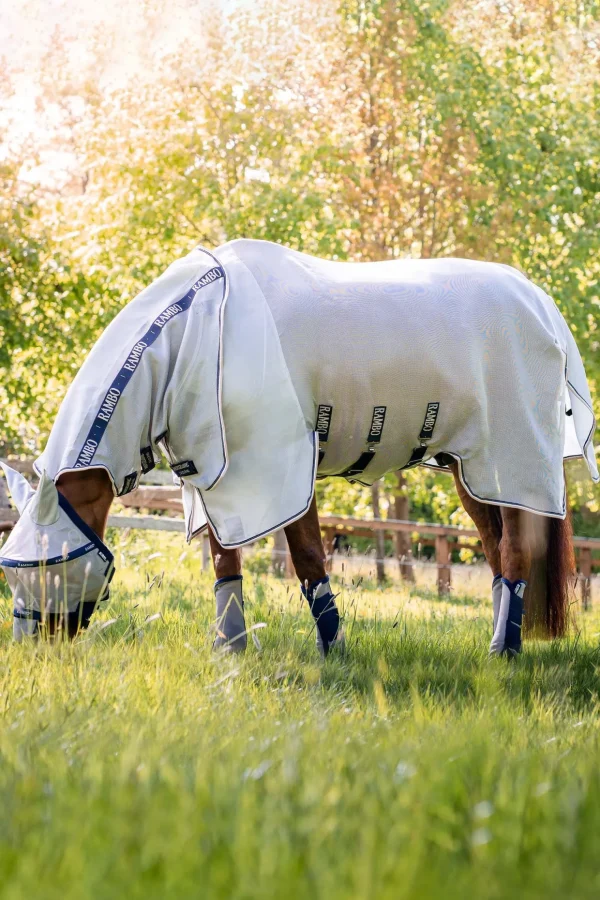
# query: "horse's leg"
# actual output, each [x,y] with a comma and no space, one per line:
[308,555]
[231,625]
[515,552]
[488,521]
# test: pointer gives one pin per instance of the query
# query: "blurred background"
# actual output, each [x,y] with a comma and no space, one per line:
[351,129]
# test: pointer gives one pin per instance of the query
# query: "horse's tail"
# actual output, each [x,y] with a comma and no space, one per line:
[551,582]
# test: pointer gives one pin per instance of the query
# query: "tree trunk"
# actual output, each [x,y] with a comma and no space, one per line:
[278,556]
[379,536]
[403,544]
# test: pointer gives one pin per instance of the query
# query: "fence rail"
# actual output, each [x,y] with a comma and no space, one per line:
[156,494]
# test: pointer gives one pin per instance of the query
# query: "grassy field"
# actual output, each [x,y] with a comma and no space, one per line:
[136,764]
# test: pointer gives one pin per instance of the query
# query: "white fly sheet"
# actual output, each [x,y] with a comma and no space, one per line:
[251,367]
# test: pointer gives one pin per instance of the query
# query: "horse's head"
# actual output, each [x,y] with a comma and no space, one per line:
[52,560]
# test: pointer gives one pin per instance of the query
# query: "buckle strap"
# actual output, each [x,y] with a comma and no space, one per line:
[425,435]
[324,414]
[360,465]
[417,457]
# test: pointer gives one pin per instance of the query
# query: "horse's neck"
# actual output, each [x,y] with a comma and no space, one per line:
[90,493]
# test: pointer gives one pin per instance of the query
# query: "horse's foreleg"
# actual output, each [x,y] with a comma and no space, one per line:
[231,624]
[515,552]
[308,556]
[488,521]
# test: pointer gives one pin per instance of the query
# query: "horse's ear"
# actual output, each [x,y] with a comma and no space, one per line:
[20,489]
[44,506]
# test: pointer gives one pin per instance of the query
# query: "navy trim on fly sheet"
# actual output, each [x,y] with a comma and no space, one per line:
[509,503]
[83,612]
[220,366]
[93,542]
[53,561]
[129,367]
[594,423]
[85,528]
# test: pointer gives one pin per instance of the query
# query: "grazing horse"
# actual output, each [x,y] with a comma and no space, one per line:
[256,369]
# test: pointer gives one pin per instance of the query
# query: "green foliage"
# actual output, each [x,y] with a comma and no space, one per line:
[354,129]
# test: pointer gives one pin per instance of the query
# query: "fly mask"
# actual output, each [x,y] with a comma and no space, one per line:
[53,561]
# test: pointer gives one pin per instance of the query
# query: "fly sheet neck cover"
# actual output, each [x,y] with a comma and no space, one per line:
[152,379]
[52,560]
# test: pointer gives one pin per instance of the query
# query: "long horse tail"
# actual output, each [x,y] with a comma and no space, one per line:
[552,578]
[560,568]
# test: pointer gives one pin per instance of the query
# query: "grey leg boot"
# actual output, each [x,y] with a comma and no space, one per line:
[231,624]
[24,628]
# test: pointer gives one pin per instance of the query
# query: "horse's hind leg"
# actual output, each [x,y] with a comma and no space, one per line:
[308,556]
[515,551]
[231,625]
[488,521]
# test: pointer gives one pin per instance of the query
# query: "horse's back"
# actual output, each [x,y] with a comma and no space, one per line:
[431,295]
[478,338]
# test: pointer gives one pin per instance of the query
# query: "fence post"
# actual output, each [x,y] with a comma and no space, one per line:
[205,552]
[290,571]
[442,558]
[280,553]
[585,574]
[403,542]
[328,547]
[379,536]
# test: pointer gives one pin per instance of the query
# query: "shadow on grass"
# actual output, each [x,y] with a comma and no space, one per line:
[441,659]
[451,666]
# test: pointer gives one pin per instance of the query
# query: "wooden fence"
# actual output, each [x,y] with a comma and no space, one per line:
[161,495]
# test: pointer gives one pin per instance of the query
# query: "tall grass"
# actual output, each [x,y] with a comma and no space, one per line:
[136,764]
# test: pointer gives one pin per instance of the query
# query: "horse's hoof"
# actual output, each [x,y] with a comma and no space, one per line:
[337,647]
[508,652]
[234,645]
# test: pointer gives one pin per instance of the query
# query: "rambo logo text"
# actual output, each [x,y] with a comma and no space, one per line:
[114,393]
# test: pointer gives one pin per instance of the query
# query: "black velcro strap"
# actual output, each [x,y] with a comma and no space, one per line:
[129,484]
[374,437]
[360,465]
[185,467]
[147,457]
[416,457]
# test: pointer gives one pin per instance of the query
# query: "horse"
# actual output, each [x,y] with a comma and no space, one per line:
[256,369]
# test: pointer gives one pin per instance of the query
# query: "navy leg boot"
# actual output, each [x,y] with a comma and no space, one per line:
[325,613]
[507,634]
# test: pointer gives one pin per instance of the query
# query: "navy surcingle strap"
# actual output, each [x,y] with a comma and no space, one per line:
[425,435]
[374,437]
[360,465]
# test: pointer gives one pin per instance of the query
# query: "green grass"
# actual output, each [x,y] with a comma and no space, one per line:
[136,764]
